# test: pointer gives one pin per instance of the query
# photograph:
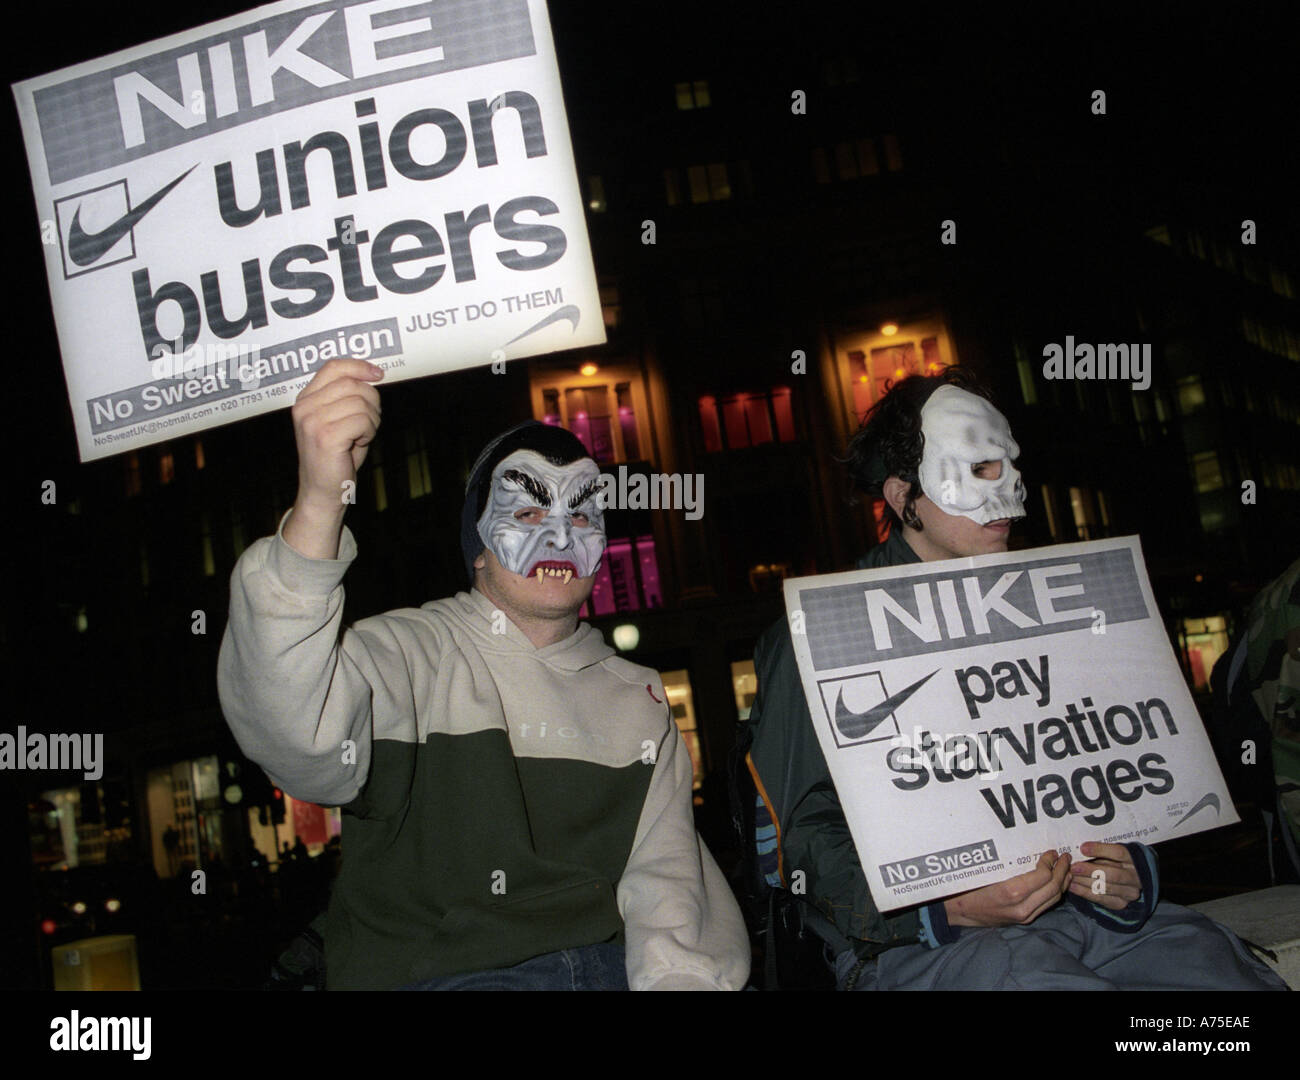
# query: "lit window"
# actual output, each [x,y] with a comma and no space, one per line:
[677,685]
[708,183]
[699,181]
[1205,640]
[1206,471]
[748,419]
[419,482]
[1081,508]
[166,466]
[628,578]
[589,419]
[709,424]
[767,577]
[199,459]
[719,185]
[627,422]
[1191,394]
[692,95]
[757,419]
[860,383]
[133,481]
[892,364]
[610,306]
[744,682]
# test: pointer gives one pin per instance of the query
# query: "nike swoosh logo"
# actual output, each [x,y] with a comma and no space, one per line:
[855,725]
[86,248]
[569,311]
[1209,799]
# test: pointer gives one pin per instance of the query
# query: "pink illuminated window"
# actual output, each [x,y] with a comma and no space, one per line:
[733,419]
[760,425]
[627,423]
[930,356]
[860,380]
[892,364]
[551,407]
[602,593]
[709,425]
[748,420]
[621,565]
[649,566]
[581,427]
[589,419]
[628,579]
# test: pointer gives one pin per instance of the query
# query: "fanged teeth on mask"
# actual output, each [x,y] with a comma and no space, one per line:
[551,571]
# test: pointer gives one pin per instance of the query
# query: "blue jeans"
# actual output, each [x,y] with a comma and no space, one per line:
[1177,949]
[590,967]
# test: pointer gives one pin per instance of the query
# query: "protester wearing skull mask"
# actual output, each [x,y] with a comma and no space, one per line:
[944,460]
[517,798]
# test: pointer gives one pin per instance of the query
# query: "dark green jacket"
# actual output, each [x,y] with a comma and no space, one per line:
[814,833]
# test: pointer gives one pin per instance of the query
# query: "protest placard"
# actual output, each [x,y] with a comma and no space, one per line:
[225,210]
[977,712]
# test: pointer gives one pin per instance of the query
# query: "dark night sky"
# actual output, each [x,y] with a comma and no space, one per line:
[1000,95]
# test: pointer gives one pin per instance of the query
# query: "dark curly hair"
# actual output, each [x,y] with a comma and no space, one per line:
[890,443]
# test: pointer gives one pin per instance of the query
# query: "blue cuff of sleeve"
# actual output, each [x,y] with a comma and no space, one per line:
[935,930]
[1130,919]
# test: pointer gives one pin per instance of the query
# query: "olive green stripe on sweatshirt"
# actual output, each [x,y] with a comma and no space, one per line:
[460,857]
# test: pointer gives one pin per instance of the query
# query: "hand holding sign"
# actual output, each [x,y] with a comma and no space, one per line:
[334,422]
[1016,901]
[1110,879]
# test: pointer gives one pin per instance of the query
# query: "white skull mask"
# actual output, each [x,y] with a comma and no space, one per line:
[961,430]
[557,544]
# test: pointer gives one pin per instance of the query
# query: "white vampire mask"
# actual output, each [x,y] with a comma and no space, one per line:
[555,544]
[961,429]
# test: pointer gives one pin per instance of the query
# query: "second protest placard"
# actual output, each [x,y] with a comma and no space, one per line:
[977,712]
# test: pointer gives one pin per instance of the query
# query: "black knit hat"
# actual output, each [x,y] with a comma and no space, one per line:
[555,444]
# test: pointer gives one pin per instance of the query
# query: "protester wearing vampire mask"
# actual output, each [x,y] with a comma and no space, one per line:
[944,461]
[517,797]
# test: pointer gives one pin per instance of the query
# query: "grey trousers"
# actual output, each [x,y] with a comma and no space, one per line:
[1177,949]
